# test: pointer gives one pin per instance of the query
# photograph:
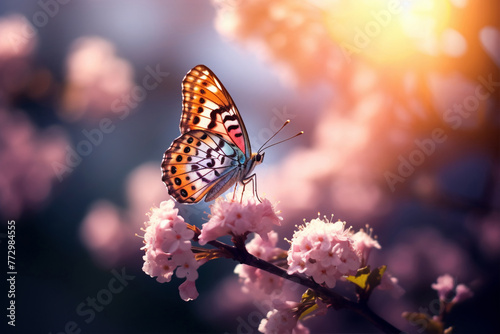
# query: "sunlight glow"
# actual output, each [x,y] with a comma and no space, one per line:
[388,32]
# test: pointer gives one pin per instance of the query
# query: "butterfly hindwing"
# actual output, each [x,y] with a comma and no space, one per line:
[208,106]
[199,162]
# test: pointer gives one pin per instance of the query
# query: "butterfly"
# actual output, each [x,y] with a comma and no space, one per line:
[213,151]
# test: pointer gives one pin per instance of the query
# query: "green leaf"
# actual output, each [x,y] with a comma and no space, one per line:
[375,278]
[308,296]
[307,303]
[360,278]
[308,310]
[367,281]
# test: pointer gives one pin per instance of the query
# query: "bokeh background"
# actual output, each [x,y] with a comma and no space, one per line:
[399,103]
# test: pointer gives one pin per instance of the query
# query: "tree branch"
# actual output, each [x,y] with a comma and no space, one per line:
[337,301]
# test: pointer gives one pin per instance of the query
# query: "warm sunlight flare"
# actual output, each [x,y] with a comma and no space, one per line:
[389,33]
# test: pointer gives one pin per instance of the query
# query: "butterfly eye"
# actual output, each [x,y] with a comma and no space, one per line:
[259,157]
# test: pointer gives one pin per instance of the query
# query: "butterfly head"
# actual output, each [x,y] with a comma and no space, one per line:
[257,158]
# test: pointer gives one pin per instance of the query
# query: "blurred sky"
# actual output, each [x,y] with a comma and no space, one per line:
[70,70]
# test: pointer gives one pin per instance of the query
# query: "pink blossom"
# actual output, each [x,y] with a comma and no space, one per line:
[168,248]
[160,265]
[444,286]
[462,293]
[238,218]
[188,291]
[296,262]
[323,250]
[258,282]
[282,320]
[186,265]
[177,238]
[390,283]
[363,243]
[277,322]
[264,248]
[325,274]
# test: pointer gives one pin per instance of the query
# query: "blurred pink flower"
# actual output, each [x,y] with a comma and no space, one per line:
[103,231]
[282,320]
[324,251]
[424,254]
[239,217]
[336,169]
[18,37]
[108,232]
[490,40]
[27,156]
[257,282]
[96,78]
[462,293]
[390,283]
[287,33]
[488,234]
[444,286]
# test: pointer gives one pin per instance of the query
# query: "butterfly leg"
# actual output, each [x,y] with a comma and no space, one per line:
[252,178]
[234,191]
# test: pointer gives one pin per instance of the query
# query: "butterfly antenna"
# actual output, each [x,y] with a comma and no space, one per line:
[267,141]
[281,141]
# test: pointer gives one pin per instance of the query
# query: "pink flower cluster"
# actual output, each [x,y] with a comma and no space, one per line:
[238,218]
[256,281]
[282,320]
[96,80]
[27,159]
[445,287]
[323,250]
[168,248]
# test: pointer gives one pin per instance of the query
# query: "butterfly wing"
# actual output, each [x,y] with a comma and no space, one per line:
[207,105]
[200,163]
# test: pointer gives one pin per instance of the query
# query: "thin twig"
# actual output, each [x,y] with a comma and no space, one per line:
[337,301]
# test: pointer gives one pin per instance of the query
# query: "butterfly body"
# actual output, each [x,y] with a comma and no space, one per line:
[213,151]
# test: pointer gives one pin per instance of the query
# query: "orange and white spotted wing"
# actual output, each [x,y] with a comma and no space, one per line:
[208,106]
[213,151]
